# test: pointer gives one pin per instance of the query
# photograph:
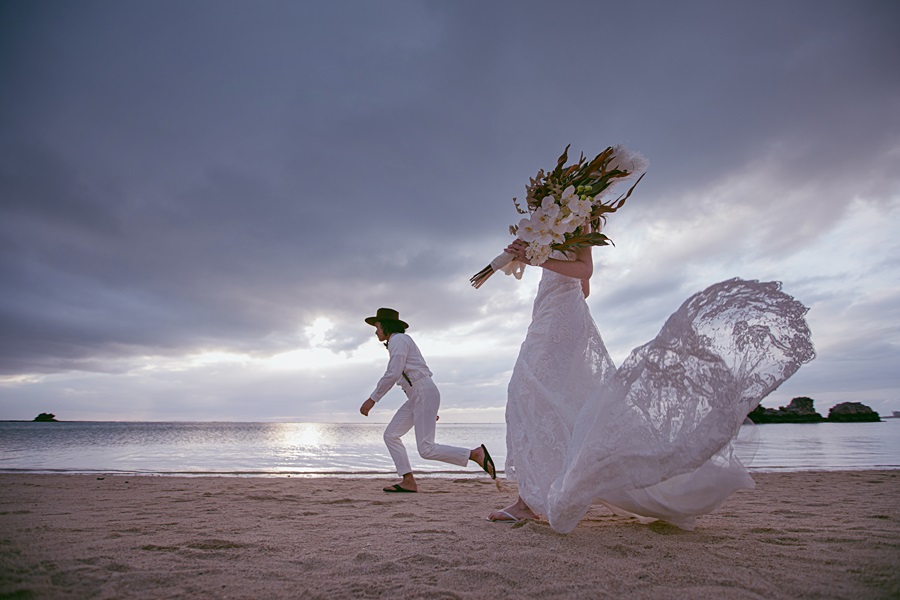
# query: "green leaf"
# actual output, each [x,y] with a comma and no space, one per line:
[580,241]
[562,158]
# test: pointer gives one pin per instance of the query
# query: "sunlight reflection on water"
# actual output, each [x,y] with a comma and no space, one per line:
[327,448]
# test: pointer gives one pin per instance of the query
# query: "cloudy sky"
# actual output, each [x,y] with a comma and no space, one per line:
[202,200]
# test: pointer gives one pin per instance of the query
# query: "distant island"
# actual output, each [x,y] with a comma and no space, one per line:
[801,410]
[46,417]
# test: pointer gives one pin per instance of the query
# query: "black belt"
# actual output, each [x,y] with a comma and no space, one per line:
[406,377]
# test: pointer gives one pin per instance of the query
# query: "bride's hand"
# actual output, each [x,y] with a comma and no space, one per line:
[517,249]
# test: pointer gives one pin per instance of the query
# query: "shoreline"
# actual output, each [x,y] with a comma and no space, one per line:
[810,534]
[441,474]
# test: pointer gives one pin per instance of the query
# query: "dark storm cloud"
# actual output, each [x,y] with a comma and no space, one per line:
[179,177]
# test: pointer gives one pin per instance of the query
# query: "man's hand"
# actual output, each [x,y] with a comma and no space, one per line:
[366,407]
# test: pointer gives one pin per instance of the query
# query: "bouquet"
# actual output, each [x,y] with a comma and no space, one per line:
[567,207]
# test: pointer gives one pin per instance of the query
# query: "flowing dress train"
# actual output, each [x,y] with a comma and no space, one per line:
[653,438]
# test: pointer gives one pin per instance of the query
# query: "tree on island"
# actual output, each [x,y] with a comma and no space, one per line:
[801,410]
[46,417]
[852,412]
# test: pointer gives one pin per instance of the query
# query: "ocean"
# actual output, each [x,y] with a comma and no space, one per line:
[316,449]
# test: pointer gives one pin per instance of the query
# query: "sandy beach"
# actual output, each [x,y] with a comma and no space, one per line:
[797,535]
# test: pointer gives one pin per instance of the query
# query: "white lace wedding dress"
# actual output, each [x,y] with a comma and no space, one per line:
[651,439]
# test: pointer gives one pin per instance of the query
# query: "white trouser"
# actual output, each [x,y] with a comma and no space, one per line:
[420,411]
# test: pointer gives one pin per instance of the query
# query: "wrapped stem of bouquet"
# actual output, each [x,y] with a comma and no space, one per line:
[567,207]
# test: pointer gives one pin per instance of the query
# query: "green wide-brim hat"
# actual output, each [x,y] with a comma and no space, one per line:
[386,314]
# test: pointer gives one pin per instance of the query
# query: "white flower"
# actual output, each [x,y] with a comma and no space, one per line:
[547,211]
[566,222]
[560,224]
[560,227]
[544,236]
[537,254]
[577,204]
[582,206]
[527,230]
[544,220]
[573,223]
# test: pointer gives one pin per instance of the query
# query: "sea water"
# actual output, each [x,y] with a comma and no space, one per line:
[308,449]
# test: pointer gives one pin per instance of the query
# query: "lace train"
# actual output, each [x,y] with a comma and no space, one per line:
[653,438]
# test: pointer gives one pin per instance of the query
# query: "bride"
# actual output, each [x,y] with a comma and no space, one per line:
[651,439]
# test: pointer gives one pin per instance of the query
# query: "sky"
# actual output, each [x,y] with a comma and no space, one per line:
[201,201]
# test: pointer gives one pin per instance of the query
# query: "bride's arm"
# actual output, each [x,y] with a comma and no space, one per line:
[580,268]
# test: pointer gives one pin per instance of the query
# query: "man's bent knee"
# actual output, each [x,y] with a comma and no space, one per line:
[427,451]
